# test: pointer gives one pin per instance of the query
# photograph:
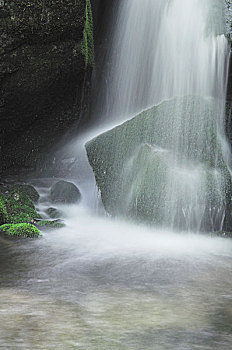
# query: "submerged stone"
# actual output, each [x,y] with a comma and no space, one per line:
[51,224]
[20,230]
[65,192]
[54,213]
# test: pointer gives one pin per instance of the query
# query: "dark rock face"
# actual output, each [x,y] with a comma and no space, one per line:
[229,87]
[65,192]
[42,74]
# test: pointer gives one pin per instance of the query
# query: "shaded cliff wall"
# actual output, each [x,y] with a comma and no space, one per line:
[43,73]
[229,87]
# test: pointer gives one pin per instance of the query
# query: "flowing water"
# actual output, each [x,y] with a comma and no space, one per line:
[160,49]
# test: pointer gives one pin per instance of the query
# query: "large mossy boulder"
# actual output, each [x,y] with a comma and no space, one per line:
[64,192]
[155,169]
[20,230]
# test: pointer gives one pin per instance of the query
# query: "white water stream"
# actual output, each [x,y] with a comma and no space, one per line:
[161,49]
[101,284]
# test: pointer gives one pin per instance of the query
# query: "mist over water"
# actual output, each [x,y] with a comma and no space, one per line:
[106,284]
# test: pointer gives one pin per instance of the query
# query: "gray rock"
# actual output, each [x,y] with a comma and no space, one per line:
[65,192]
[132,163]
[54,213]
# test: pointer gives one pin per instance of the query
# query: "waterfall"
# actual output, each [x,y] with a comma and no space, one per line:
[161,49]
[172,54]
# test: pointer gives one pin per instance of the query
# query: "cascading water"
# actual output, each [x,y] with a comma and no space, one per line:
[173,51]
[161,49]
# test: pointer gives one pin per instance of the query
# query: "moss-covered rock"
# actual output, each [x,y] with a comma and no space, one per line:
[16,207]
[54,213]
[49,224]
[20,230]
[26,189]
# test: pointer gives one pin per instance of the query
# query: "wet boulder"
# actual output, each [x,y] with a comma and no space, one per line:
[143,173]
[54,213]
[65,192]
[28,190]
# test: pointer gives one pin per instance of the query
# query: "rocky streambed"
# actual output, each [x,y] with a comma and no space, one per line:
[20,208]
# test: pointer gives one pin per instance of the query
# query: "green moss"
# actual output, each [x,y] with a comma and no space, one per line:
[16,207]
[20,230]
[229,19]
[3,212]
[50,224]
[87,45]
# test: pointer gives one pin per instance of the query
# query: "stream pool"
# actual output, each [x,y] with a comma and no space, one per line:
[100,284]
